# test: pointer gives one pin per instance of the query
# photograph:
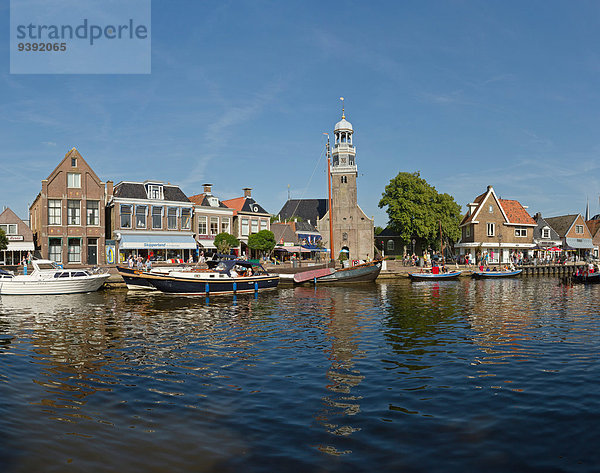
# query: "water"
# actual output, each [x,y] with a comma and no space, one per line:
[454,376]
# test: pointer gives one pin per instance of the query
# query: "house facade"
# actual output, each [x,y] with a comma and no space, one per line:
[67,217]
[594,228]
[495,229]
[149,219]
[574,234]
[20,239]
[211,217]
[248,217]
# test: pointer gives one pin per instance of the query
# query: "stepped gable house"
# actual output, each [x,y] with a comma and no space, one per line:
[20,238]
[352,229]
[211,217]
[248,217]
[67,217]
[496,228]
[150,219]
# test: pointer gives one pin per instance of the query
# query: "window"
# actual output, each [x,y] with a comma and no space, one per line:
[73,180]
[9,228]
[172,218]
[157,217]
[73,212]
[245,227]
[155,192]
[254,226]
[225,224]
[520,231]
[579,229]
[467,231]
[202,228]
[55,249]
[545,232]
[93,212]
[491,229]
[140,216]
[186,219]
[214,225]
[125,216]
[491,209]
[344,179]
[74,254]
[263,224]
[54,212]
[390,245]
[73,162]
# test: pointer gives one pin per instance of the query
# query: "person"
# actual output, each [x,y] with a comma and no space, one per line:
[190,259]
[148,264]
[130,262]
[140,263]
[234,273]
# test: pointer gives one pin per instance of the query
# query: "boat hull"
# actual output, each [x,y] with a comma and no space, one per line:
[20,286]
[434,277]
[593,278]
[367,272]
[205,286]
[496,274]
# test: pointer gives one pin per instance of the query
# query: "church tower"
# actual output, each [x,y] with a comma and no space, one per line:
[352,229]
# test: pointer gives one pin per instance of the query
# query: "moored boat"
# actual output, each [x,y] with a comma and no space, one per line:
[496,274]
[136,280]
[365,272]
[434,276]
[586,278]
[226,277]
[46,277]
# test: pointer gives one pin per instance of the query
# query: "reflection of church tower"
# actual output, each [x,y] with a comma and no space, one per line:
[352,229]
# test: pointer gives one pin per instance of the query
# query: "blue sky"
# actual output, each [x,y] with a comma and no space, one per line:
[468,93]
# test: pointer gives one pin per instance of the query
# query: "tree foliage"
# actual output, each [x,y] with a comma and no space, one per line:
[3,240]
[415,208]
[225,241]
[263,241]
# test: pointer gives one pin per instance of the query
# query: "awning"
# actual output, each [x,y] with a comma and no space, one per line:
[207,244]
[20,246]
[579,243]
[292,249]
[156,242]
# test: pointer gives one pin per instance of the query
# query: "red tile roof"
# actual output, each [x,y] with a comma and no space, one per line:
[593,226]
[197,199]
[467,218]
[236,204]
[516,213]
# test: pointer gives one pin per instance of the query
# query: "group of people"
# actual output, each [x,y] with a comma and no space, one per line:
[138,262]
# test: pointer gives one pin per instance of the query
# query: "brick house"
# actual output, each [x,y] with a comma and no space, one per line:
[594,228]
[495,228]
[248,217]
[574,233]
[211,217]
[67,216]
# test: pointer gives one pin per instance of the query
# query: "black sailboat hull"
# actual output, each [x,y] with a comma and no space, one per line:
[176,285]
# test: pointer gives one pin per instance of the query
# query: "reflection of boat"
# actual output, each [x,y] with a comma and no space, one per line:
[49,278]
[496,274]
[226,277]
[434,276]
[359,273]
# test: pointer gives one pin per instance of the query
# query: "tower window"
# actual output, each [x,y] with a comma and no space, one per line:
[344,179]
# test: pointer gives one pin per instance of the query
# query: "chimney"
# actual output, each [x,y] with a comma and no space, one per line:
[109,189]
[247,191]
[207,188]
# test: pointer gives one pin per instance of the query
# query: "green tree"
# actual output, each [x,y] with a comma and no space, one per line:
[415,209]
[3,240]
[378,230]
[225,242]
[263,241]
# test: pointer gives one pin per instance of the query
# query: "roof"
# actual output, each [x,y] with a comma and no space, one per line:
[283,231]
[593,226]
[516,213]
[562,223]
[541,223]
[309,210]
[137,190]
[513,211]
[202,200]
[343,124]
[245,204]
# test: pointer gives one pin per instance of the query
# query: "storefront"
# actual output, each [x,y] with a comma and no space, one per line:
[580,247]
[17,251]
[156,247]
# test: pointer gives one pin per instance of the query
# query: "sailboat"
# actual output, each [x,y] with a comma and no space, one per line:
[364,272]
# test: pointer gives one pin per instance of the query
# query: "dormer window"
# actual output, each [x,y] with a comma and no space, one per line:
[545,232]
[155,191]
[213,201]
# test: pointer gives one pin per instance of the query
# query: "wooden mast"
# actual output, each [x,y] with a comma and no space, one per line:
[331,252]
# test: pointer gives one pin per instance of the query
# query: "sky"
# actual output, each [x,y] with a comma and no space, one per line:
[468,93]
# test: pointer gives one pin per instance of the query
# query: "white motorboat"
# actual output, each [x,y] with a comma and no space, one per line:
[47,277]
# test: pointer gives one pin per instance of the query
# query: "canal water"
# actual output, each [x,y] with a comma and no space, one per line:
[454,376]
